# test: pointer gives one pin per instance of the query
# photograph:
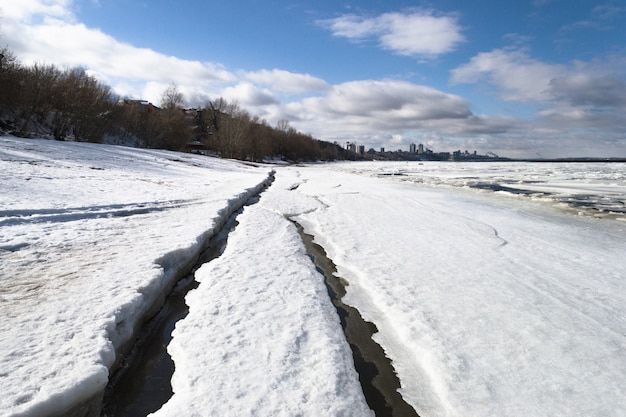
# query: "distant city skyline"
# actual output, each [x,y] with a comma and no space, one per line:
[535,78]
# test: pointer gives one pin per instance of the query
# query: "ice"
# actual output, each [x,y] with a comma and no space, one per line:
[593,188]
[488,303]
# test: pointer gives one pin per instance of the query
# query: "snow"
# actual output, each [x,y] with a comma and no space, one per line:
[271,343]
[487,303]
[90,238]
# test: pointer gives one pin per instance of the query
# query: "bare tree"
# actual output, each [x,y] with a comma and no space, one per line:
[282,125]
[70,102]
[172,98]
[92,106]
[260,143]
[174,130]
[235,127]
[36,97]
[215,109]
[210,121]
[10,86]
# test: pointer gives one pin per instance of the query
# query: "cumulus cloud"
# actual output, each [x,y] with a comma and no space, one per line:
[588,90]
[580,105]
[517,76]
[421,32]
[249,96]
[388,101]
[287,82]
[92,48]
[372,111]
[397,99]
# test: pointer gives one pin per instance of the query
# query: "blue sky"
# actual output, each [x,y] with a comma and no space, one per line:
[518,78]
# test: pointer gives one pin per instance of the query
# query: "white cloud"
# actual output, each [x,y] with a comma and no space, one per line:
[517,76]
[77,45]
[26,10]
[600,84]
[353,26]
[420,32]
[44,31]
[249,96]
[371,111]
[580,104]
[287,82]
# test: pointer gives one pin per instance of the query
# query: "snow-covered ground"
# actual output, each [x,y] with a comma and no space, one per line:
[488,303]
[90,236]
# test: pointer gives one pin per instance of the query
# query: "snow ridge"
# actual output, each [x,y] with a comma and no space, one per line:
[91,238]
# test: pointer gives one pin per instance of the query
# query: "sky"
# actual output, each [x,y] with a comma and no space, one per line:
[519,78]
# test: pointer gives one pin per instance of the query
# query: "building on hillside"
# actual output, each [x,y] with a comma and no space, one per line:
[197,146]
[143,105]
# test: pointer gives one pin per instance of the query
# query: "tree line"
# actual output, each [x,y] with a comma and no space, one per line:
[66,104]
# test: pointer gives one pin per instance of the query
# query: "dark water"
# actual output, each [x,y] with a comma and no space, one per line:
[598,205]
[376,374]
[142,384]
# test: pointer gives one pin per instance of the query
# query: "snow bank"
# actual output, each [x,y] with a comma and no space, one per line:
[91,236]
[262,337]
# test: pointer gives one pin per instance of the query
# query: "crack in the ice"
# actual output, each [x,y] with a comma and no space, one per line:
[377,376]
[147,387]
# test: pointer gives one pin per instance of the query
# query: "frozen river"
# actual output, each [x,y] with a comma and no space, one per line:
[488,303]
